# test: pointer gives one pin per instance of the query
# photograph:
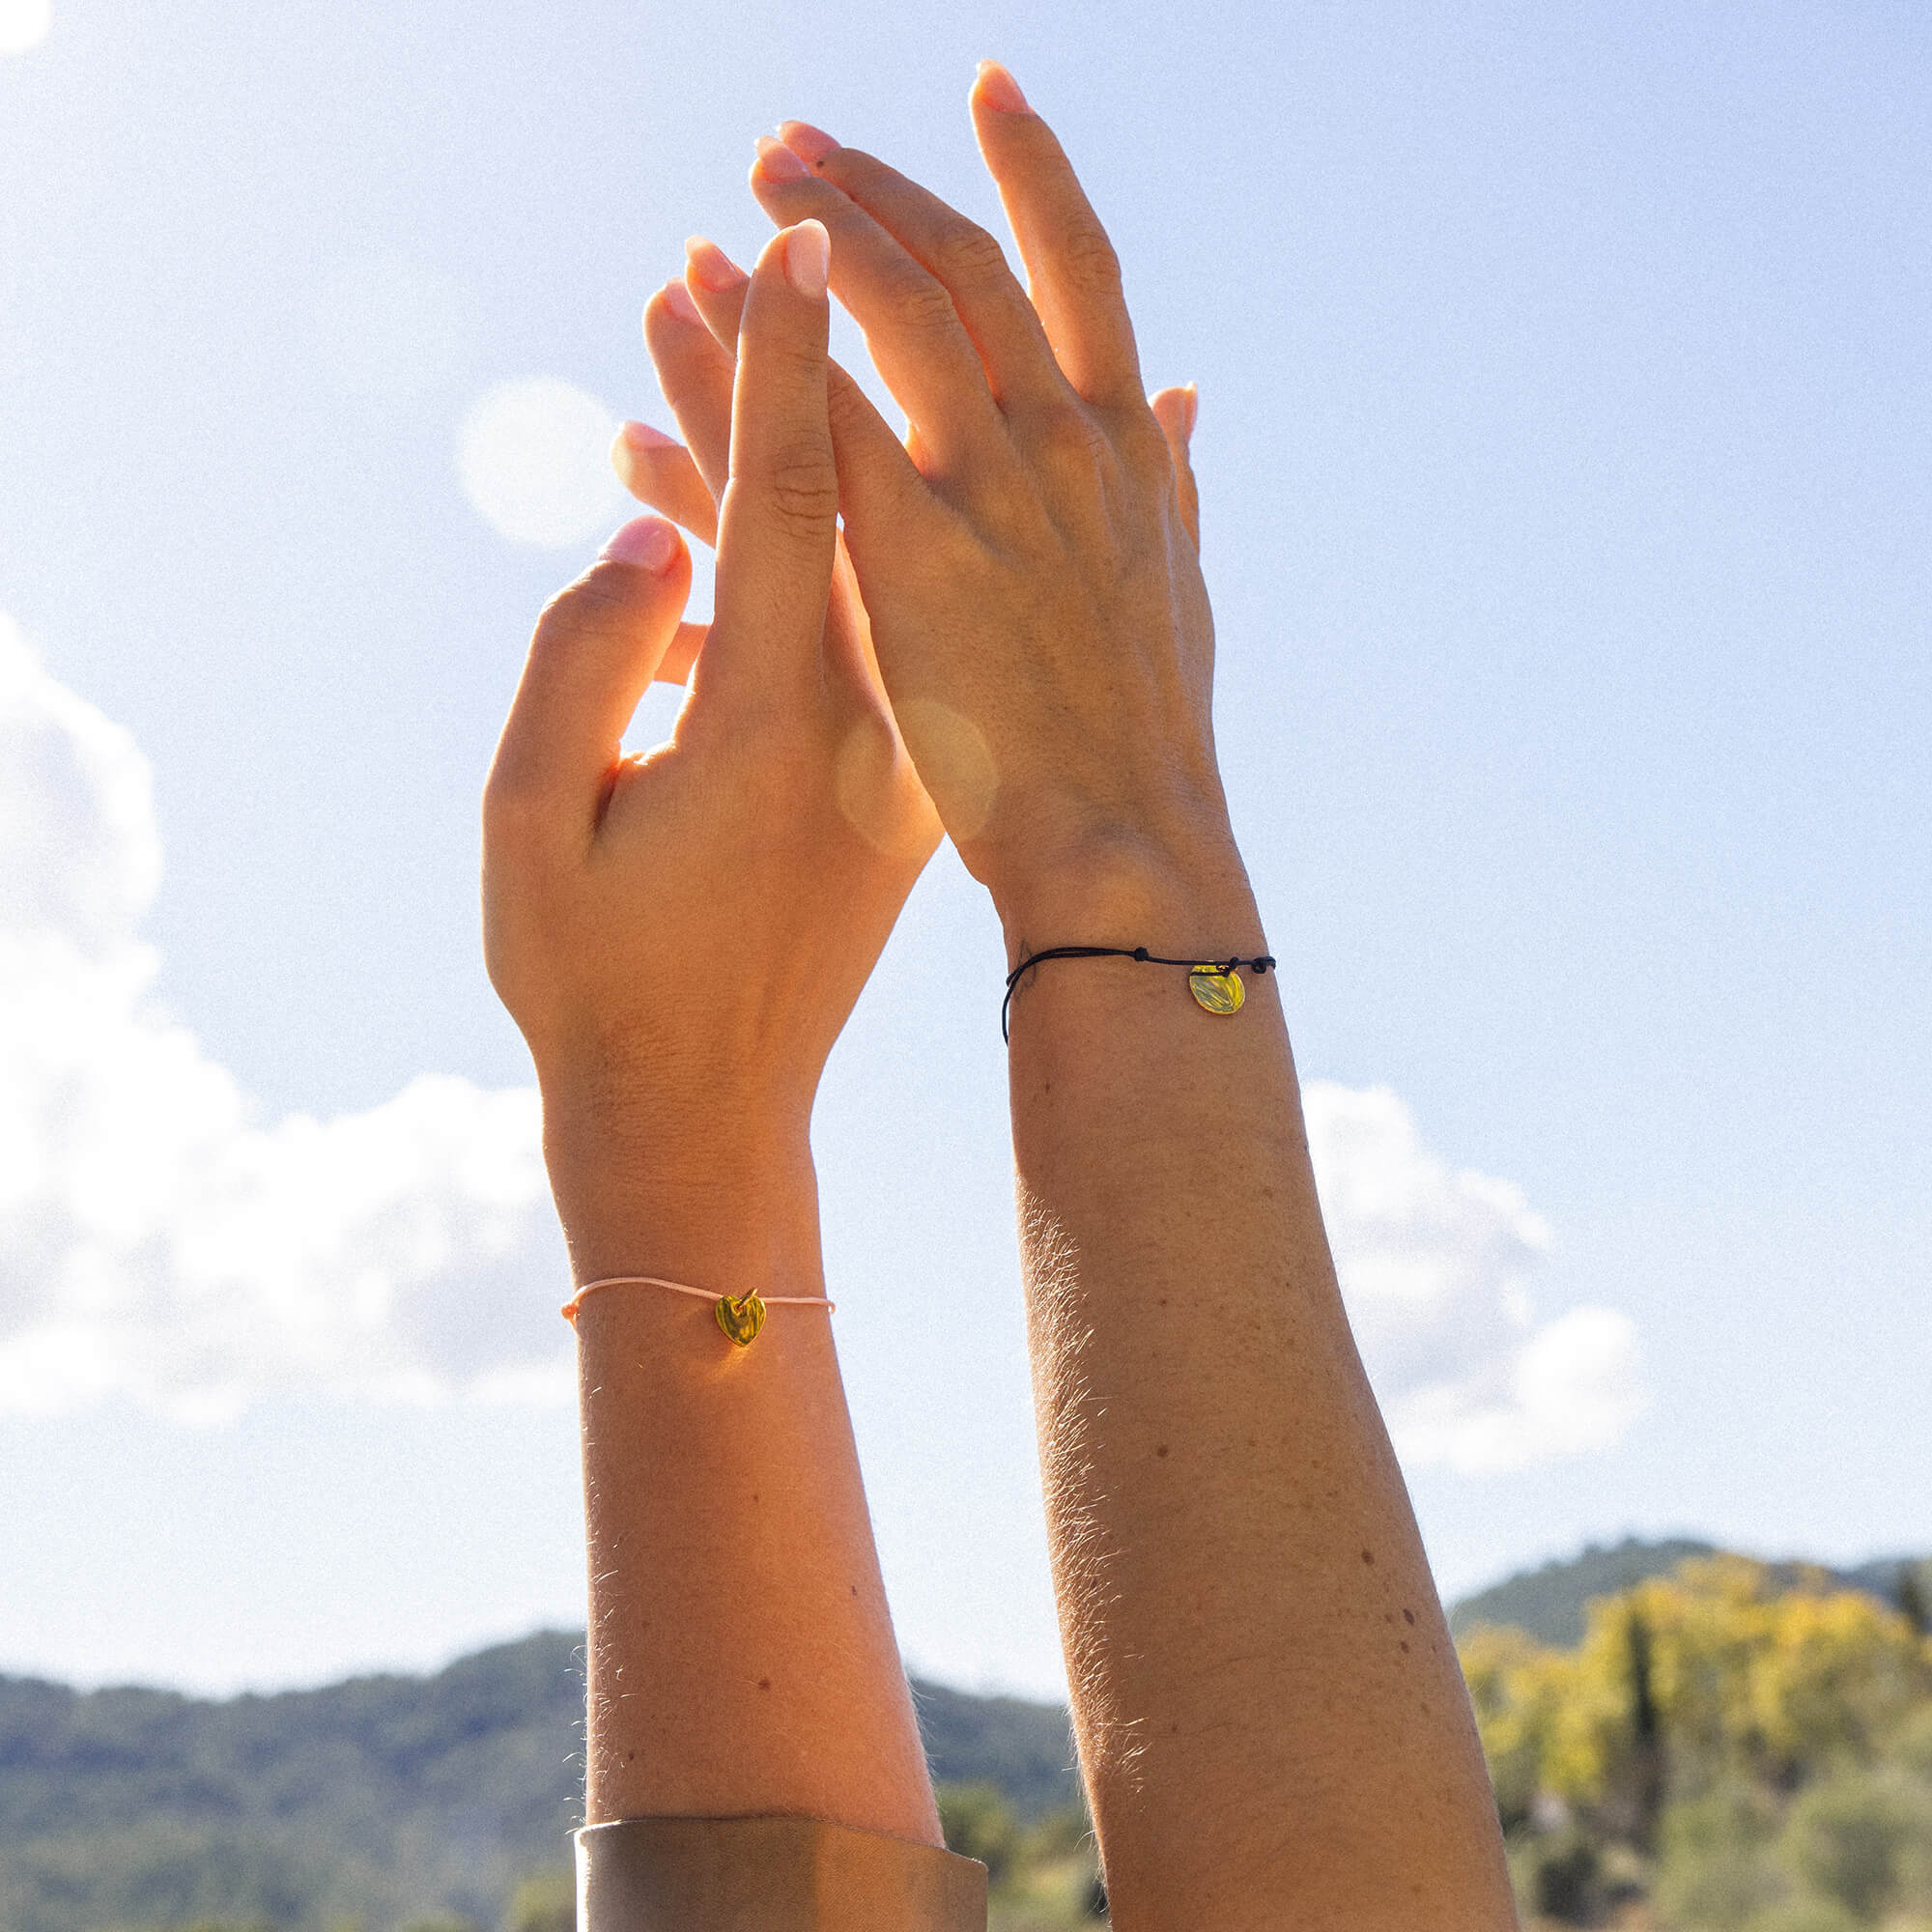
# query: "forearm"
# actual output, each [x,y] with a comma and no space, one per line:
[1268,1706]
[680,938]
[1267,1701]
[742,1659]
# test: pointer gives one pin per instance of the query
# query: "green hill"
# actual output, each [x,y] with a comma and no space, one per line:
[381,1801]
[1025,1749]
[1549,1603]
[368,1803]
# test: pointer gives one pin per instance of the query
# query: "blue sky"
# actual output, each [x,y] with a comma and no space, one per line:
[1563,430]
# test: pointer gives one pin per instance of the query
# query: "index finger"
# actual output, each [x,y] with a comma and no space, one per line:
[778,523]
[1072,269]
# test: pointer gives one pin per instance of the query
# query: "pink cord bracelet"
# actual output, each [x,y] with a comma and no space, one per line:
[739,1316]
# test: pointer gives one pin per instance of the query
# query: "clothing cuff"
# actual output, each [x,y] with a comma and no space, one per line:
[769,1875]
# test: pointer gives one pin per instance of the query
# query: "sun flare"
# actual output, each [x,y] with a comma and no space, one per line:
[24,24]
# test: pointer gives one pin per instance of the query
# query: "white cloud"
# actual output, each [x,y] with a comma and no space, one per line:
[1434,1264]
[24,24]
[160,1241]
[534,456]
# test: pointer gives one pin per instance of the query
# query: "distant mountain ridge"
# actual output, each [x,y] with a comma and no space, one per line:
[382,1800]
[373,1800]
[1549,1603]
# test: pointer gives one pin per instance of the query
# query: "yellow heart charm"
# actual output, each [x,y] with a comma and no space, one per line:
[1216,989]
[740,1318]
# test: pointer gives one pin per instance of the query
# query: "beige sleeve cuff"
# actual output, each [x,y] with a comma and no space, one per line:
[769,1875]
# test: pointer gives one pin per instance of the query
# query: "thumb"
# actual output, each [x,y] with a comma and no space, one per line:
[597,646]
[1175,409]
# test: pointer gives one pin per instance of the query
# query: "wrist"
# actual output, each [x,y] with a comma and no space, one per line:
[726,1194]
[1182,889]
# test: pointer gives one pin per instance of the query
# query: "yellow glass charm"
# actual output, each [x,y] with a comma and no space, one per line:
[741,1317]
[1214,989]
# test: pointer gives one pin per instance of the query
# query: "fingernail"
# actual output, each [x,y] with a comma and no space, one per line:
[776,163]
[999,90]
[808,258]
[712,266]
[645,543]
[1193,407]
[642,436]
[678,299]
[810,143]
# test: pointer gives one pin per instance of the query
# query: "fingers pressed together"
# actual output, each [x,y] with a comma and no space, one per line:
[974,358]
[905,259]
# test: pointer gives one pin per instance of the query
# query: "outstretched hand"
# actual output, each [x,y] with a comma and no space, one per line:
[682,935]
[1029,556]
[1272,1727]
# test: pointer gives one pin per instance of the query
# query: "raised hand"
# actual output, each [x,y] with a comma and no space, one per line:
[1030,559]
[681,936]
[693,926]
[1272,1725]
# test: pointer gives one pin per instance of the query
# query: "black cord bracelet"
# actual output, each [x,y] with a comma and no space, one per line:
[1215,984]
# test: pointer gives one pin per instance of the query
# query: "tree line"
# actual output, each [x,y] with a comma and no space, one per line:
[1729,1748]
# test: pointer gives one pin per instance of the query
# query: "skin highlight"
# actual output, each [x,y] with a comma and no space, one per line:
[1010,638]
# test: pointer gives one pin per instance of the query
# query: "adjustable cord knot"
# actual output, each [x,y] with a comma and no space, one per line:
[1216,988]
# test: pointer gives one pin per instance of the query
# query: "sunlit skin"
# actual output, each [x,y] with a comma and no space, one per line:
[1272,1726]
[680,938]
[1271,1723]
[680,968]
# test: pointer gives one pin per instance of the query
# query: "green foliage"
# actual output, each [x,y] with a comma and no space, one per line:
[226,1925]
[979,1824]
[1750,1748]
[1025,1749]
[361,1807]
[1915,1744]
[1558,1874]
[1718,1868]
[1806,1915]
[1550,1604]
[1729,1747]
[547,1903]
[1065,1833]
[1859,1838]
[1051,1882]
[373,1801]
[1915,1596]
